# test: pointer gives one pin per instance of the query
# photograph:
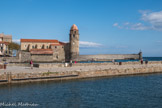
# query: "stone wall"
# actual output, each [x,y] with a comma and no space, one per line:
[58,53]
[107,57]
[42,58]
[24,56]
[67,51]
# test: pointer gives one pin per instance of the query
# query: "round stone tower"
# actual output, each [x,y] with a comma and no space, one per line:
[74,42]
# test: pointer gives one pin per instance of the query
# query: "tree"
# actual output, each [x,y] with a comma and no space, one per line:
[13,46]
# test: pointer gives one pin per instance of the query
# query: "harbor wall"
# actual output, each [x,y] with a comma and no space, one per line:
[107,57]
[26,57]
[77,74]
[53,65]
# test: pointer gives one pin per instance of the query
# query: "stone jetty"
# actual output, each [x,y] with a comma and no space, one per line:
[16,73]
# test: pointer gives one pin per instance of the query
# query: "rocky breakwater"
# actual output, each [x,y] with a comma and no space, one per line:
[16,74]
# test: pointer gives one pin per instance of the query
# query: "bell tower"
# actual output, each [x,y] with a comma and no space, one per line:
[74,42]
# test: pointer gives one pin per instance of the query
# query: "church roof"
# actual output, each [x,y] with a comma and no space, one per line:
[74,27]
[40,40]
[58,44]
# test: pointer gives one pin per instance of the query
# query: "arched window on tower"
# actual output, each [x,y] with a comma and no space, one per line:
[73,35]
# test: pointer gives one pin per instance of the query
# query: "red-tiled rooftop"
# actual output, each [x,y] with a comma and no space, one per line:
[62,43]
[40,40]
[41,51]
[58,44]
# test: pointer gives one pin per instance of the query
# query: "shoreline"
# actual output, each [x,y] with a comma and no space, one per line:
[19,74]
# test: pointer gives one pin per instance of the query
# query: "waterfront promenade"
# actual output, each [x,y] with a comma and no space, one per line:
[79,70]
[92,67]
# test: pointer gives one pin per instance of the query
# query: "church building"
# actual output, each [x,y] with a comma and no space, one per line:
[43,50]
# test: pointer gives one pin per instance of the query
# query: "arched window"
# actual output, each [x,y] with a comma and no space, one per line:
[36,46]
[32,46]
[50,47]
[43,46]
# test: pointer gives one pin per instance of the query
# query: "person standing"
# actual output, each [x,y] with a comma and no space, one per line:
[31,64]
[71,62]
[141,61]
[146,62]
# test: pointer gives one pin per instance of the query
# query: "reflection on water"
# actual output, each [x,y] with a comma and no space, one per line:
[127,91]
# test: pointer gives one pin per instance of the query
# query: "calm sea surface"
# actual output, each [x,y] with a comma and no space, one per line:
[142,91]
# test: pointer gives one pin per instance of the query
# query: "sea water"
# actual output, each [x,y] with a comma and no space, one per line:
[139,91]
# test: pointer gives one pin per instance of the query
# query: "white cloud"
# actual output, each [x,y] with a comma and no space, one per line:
[151,21]
[126,23]
[16,40]
[138,26]
[115,24]
[89,44]
[154,18]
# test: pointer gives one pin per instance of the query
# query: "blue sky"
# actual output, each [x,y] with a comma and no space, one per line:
[105,26]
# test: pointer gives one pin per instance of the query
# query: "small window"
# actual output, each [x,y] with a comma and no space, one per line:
[47,47]
[73,35]
[33,46]
[62,46]
[57,56]
[55,46]
[74,31]
[25,46]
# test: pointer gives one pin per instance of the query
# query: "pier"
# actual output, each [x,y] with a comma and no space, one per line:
[23,73]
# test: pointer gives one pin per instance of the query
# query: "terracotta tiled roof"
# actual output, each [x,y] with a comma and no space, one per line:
[56,44]
[41,51]
[39,40]
[74,27]
[62,43]
[6,43]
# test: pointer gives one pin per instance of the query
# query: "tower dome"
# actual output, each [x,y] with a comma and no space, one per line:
[74,27]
